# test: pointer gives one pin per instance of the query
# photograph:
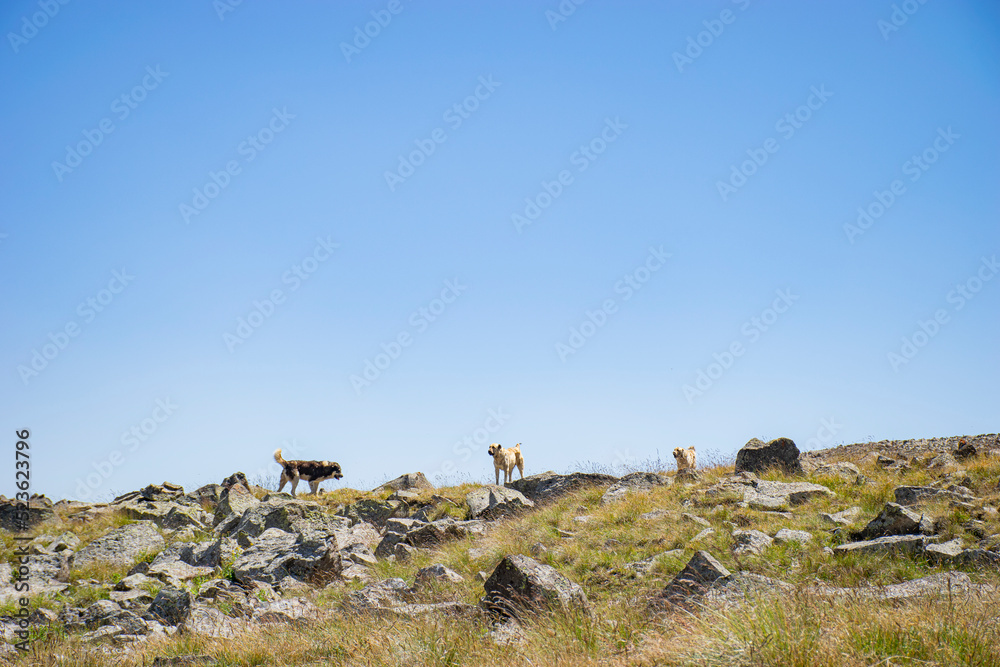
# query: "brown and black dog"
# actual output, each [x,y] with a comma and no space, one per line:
[313,472]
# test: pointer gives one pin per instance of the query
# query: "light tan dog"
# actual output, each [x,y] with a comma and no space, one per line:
[506,459]
[685,458]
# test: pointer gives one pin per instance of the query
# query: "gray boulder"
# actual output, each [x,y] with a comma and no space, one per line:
[97,613]
[414,481]
[442,530]
[292,610]
[911,495]
[775,496]
[797,493]
[289,515]
[946,552]
[691,582]
[493,502]
[842,518]
[841,469]
[387,547]
[171,605]
[121,546]
[436,574]
[234,500]
[522,583]
[897,520]
[210,622]
[375,512]
[277,554]
[198,554]
[162,492]
[979,558]
[757,456]
[636,482]
[750,542]
[385,593]
[17,516]
[786,535]
[882,545]
[51,544]
[548,486]
[207,496]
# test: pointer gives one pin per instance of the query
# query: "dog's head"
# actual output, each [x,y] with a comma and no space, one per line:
[678,453]
[337,474]
[494,449]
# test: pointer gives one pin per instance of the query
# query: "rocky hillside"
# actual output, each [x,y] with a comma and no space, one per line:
[853,556]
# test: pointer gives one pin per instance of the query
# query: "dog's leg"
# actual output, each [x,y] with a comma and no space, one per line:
[520,467]
[496,469]
[284,480]
[314,487]
[295,483]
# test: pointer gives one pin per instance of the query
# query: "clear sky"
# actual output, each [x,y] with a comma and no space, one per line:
[601,230]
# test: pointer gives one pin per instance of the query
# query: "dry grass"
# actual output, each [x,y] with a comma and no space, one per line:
[797,629]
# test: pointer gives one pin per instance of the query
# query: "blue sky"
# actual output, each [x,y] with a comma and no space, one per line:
[602,233]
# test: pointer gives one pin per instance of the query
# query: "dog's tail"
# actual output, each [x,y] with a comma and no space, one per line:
[277,457]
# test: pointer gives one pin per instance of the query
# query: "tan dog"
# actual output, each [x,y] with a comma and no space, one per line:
[506,459]
[685,458]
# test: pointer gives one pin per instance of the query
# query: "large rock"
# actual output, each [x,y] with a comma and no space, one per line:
[750,542]
[17,516]
[492,502]
[171,605]
[375,512]
[522,583]
[636,482]
[122,546]
[797,493]
[881,545]
[277,554]
[757,456]
[234,500]
[165,491]
[941,583]
[548,486]
[897,520]
[207,496]
[387,547]
[843,517]
[179,512]
[841,469]
[701,572]
[436,532]
[289,515]
[413,481]
[786,535]
[210,622]
[385,593]
[198,554]
[911,495]
[436,574]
